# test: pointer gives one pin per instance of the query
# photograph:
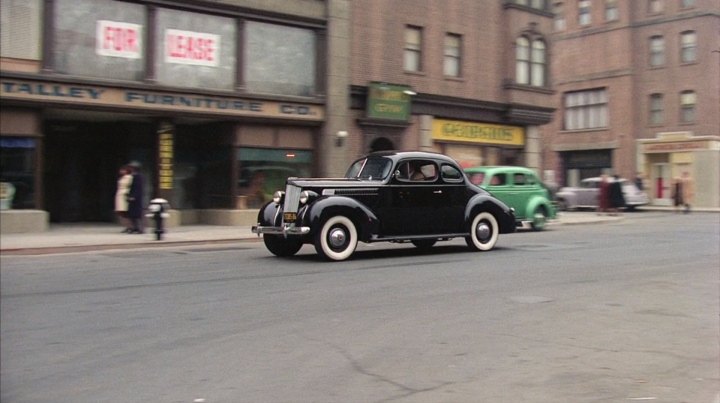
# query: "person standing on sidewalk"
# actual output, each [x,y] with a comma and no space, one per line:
[617,199]
[603,195]
[135,199]
[121,197]
[684,193]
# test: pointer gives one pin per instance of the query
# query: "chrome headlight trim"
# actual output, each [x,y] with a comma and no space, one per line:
[278,197]
[306,196]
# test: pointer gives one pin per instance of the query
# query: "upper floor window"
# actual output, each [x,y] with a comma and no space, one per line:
[586,109]
[655,6]
[657,51]
[687,3]
[688,46]
[656,109]
[584,15]
[559,16]
[538,4]
[531,62]
[611,10]
[688,101]
[453,56]
[412,53]
[21,29]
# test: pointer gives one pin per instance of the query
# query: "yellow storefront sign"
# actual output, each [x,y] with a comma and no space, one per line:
[472,132]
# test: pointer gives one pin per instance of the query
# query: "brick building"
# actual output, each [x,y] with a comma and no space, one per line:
[467,78]
[638,91]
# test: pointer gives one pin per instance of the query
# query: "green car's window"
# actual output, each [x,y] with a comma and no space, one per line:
[498,180]
[519,180]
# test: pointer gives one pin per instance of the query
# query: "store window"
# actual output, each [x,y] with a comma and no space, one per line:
[21,29]
[264,171]
[99,38]
[279,59]
[195,50]
[17,164]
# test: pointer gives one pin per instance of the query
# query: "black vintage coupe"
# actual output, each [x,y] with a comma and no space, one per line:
[416,197]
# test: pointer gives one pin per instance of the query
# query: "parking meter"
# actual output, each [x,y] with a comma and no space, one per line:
[158,211]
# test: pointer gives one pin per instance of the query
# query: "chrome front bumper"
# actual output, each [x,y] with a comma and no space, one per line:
[285,230]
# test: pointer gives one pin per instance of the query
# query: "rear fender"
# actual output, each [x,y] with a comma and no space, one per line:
[539,202]
[481,202]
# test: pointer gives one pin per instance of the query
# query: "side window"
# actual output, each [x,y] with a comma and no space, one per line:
[451,174]
[519,179]
[417,171]
[498,180]
[476,178]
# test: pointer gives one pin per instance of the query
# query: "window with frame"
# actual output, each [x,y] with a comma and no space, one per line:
[289,69]
[559,16]
[412,53]
[586,109]
[99,38]
[656,109]
[655,6]
[584,13]
[538,4]
[687,3]
[688,101]
[611,11]
[531,62]
[21,29]
[688,47]
[657,51]
[453,55]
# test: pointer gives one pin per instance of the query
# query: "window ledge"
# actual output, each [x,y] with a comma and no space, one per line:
[510,85]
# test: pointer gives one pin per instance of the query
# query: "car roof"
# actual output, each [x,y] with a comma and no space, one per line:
[398,155]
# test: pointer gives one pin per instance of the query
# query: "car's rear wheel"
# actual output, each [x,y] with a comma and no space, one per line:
[281,246]
[539,219]
[337,239]
[484,231]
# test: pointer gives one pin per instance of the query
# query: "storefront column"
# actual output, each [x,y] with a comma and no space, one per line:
[426,142]
[533,148]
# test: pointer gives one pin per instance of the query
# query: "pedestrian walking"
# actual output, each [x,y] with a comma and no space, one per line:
[124,183]
[135,199]
[683,193]
[615,193]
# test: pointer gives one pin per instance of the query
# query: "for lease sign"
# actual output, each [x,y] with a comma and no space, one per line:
[118,39]
[187,47]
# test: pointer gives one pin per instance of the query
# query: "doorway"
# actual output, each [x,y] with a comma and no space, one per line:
[661,182]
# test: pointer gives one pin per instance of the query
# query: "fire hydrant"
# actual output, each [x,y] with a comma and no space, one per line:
[158,211]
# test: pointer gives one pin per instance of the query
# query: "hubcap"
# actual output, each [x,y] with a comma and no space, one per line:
[483,231]
[337,237]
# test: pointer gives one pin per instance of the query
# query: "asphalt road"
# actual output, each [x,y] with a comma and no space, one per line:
[618,312]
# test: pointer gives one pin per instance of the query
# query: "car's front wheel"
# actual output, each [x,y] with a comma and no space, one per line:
[337,239]
[539,219]
[281,246]
[484,231]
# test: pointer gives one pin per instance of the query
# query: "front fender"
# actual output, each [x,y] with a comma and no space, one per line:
[366,221]
[270,214]
[503,213]
[538,201]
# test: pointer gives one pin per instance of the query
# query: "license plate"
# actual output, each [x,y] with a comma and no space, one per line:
[289,217]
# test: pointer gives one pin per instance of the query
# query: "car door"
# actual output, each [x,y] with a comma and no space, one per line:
[408,208]
[588,192]
[450,198]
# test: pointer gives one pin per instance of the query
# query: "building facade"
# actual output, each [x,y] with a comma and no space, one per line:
[219,101]
[638,93]
[467,78]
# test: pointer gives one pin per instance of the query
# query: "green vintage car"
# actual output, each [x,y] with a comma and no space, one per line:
[519,188]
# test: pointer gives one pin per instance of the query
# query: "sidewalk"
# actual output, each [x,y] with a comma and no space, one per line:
[64,238]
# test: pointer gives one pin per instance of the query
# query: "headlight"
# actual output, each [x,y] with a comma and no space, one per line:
[306,196]
[278,197]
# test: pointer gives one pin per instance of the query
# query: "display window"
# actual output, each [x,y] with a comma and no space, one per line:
[264,171]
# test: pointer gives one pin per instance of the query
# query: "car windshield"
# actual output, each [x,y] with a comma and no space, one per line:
[370,168]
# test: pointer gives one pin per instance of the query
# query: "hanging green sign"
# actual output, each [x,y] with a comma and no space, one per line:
[388,101]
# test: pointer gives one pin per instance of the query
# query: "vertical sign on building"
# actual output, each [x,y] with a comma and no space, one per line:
[165,158]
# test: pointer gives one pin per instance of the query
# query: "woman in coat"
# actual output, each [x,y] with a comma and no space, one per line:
[121,197]
[135,200]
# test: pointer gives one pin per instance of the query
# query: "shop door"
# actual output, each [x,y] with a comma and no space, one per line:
[661,184]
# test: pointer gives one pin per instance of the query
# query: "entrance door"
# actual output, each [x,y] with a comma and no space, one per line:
[661,184]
